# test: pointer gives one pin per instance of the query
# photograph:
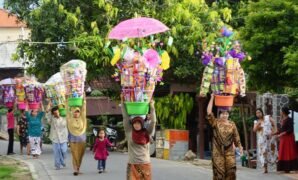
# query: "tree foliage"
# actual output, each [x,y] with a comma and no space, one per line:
[172,110]
[270,35]
[87,23]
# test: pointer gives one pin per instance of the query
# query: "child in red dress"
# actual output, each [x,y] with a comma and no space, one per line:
[100,150]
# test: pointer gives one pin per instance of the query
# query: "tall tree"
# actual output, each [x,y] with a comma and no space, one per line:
[270,35]
[87,23]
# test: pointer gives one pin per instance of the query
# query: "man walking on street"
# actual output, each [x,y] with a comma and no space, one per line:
[58,135]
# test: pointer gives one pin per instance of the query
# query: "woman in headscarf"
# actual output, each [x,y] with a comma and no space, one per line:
[34,130]
[77,123]
[225,136]
[138,137]
[266,143]
[287,156]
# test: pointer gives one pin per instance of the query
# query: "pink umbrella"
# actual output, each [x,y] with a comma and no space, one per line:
[137,28]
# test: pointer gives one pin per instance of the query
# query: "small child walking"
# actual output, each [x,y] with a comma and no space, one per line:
[100,150]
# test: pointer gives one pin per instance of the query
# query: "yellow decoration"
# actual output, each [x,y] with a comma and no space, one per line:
[116,57]
[165,60]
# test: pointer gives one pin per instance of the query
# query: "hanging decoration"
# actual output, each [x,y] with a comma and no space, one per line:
[223,72]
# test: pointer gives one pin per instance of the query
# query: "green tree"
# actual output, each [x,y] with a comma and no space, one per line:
[21,8]
[270,35]
[87,23]
[172,110]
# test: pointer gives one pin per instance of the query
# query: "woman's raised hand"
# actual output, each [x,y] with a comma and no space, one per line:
[152,102]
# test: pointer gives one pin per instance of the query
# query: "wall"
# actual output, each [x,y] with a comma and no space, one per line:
[175,144]
[271,104]
[14,34]
[102,106]
[8,45]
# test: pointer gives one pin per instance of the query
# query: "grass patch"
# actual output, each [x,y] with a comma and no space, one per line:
[6,171]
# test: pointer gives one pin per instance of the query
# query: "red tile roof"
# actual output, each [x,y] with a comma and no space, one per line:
[9,20]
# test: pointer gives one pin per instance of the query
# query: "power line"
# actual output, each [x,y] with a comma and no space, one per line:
[40,42]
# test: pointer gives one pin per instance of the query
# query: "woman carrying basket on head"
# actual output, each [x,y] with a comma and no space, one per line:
[138,139]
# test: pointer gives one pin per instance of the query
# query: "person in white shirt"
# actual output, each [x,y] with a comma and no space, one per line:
[58,136]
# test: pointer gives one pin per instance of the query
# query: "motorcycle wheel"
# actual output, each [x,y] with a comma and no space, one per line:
[152,149]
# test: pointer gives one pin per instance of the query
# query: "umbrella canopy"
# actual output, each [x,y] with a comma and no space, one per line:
[137,28]
[56,78]
[7,81]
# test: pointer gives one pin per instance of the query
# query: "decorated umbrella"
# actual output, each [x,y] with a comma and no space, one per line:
[137,28]
[140,67]
[7,81]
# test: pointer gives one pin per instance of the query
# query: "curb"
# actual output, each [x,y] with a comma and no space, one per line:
[30,165]
[32,168]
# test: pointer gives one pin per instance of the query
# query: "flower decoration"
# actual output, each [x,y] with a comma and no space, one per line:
[206,58]
[152,58]
[220,61]
[226,32]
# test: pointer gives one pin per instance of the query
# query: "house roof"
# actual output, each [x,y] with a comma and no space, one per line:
[9,20]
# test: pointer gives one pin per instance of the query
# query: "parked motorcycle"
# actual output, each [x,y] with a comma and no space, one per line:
[111,135]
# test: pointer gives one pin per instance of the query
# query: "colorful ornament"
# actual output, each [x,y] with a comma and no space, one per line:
[165,60]
[116,57]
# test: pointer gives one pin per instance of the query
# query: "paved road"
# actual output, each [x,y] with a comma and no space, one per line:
[116,166]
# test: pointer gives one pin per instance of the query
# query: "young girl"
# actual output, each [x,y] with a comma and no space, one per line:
[100,150]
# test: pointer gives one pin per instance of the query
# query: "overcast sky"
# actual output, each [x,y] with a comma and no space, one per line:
[1,3]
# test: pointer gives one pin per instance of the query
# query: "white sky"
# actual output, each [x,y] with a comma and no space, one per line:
[1,3]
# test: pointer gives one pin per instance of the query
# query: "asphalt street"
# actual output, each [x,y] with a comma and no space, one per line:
[43,168]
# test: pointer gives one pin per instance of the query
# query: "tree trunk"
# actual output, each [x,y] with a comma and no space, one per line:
[201,123]
[245,132]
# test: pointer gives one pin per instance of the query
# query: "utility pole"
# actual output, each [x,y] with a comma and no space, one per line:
[201,124]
